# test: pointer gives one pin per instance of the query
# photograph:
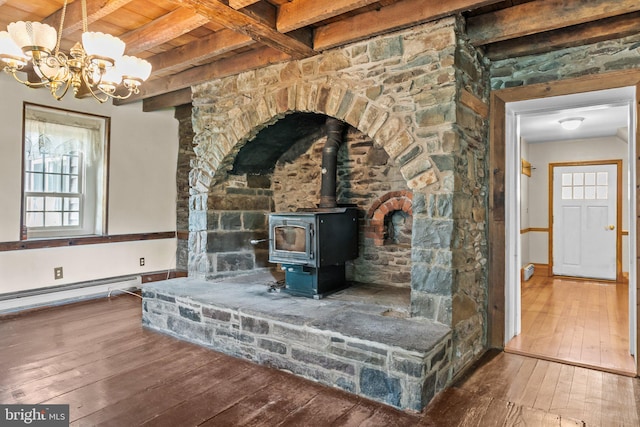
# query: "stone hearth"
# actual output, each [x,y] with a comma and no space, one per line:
[357,339]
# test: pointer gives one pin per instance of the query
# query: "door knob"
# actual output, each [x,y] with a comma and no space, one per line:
[612,227]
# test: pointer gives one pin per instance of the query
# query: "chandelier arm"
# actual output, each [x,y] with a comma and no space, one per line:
[53,88]
[27,83]
[87,77]
[114,96]
[57,63]
[96,97]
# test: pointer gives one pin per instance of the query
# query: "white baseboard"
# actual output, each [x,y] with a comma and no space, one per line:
[29,300]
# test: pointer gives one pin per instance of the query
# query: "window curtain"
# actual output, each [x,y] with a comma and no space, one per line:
[56,133]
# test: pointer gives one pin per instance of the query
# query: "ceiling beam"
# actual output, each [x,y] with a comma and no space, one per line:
[257,30]
[209,47]
[166,28]
[239,4]
[396,16]
[542,15]
[167,100]
[300,13]
[73,16]
[235,64]
[577,35]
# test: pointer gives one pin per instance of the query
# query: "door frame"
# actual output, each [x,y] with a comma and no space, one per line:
[619,192]
[497,166]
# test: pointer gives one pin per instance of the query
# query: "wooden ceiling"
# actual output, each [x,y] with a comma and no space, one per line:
[192,41]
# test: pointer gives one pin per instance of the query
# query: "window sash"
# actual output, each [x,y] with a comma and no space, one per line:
[47,206]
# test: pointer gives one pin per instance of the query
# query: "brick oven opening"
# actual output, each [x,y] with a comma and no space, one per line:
[397,227]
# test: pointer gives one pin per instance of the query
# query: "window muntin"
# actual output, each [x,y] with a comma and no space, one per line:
[64,180]
[585,186]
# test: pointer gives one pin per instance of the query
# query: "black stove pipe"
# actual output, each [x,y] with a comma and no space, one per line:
[335,129]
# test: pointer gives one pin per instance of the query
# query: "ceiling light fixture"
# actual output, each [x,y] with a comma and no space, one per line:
[571,123]
[98,64]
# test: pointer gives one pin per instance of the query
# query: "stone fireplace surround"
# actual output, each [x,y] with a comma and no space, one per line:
[414,94]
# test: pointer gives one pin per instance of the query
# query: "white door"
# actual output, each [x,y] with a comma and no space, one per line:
[584,221]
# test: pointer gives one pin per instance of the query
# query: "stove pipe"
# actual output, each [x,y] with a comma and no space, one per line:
[335,129]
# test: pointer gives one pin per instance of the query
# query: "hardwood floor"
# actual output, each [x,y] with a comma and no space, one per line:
[96,357]
[576,321]
[508,390]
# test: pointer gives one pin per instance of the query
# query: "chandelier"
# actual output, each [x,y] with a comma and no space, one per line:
[96,66]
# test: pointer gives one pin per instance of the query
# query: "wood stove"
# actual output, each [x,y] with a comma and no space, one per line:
[313,246]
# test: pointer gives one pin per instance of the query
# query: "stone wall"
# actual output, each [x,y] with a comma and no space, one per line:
[365,173]
[596,58]
[403,91]
[357,351]
[185,155]
[469,206]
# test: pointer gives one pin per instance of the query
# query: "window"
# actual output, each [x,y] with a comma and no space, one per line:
[585,186]
[65,168]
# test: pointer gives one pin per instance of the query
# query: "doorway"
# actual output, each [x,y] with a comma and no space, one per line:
[515,107]
[586,207]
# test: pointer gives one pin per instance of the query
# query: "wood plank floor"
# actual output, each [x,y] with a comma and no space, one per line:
[96,357]
[581,322]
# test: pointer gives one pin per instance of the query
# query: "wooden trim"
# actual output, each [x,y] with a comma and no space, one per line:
[499,99]
[625,232]
[182,235]
[534,230]
[474,103]
[618,164]
[541,270]
[79,241]
[525,168]
[162,275]
[496,291]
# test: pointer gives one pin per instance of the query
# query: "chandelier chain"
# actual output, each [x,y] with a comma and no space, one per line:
[85,25]
[62,16]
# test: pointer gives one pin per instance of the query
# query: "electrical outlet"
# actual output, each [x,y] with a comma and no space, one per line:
[141,262]
[57,273]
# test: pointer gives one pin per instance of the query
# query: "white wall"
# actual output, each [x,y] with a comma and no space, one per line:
[541,154]
[142,192]
[525,257]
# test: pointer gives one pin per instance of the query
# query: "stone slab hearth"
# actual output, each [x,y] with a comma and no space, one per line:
[358,340]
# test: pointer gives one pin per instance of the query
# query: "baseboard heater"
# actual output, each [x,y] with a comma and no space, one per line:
[528,271]
[65,294]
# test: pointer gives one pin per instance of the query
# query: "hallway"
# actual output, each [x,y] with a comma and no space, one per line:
[581,322]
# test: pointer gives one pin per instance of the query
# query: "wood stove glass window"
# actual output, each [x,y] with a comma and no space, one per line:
[290,238]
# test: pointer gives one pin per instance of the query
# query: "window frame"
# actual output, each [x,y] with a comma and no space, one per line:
[92,206]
